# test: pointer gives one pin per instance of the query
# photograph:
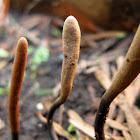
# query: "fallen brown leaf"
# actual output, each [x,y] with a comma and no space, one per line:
[57,127]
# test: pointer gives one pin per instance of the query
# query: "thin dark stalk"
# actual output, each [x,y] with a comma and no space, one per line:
[53,108]
[15,136]
[100,120]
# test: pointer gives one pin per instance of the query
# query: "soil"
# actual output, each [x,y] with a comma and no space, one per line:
[48,75]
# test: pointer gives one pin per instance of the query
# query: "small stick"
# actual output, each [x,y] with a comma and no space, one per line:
[15,88]
[71,47]
[125,75]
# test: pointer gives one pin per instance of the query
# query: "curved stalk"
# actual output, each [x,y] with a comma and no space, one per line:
[15,88]
[71,47]
[125,75]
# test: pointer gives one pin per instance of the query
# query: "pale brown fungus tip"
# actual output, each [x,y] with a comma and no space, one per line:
[72,21]
[71,18]
[23,42]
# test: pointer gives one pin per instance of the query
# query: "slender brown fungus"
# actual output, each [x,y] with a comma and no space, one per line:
[15,87]
[125,75]
[71,47]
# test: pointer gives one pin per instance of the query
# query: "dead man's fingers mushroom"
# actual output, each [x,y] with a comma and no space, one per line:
[15,87]
[71,47]
[125,75]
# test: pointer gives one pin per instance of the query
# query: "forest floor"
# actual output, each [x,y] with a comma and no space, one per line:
[101,54]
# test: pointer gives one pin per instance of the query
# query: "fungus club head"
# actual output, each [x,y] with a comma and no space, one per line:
[71,47]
